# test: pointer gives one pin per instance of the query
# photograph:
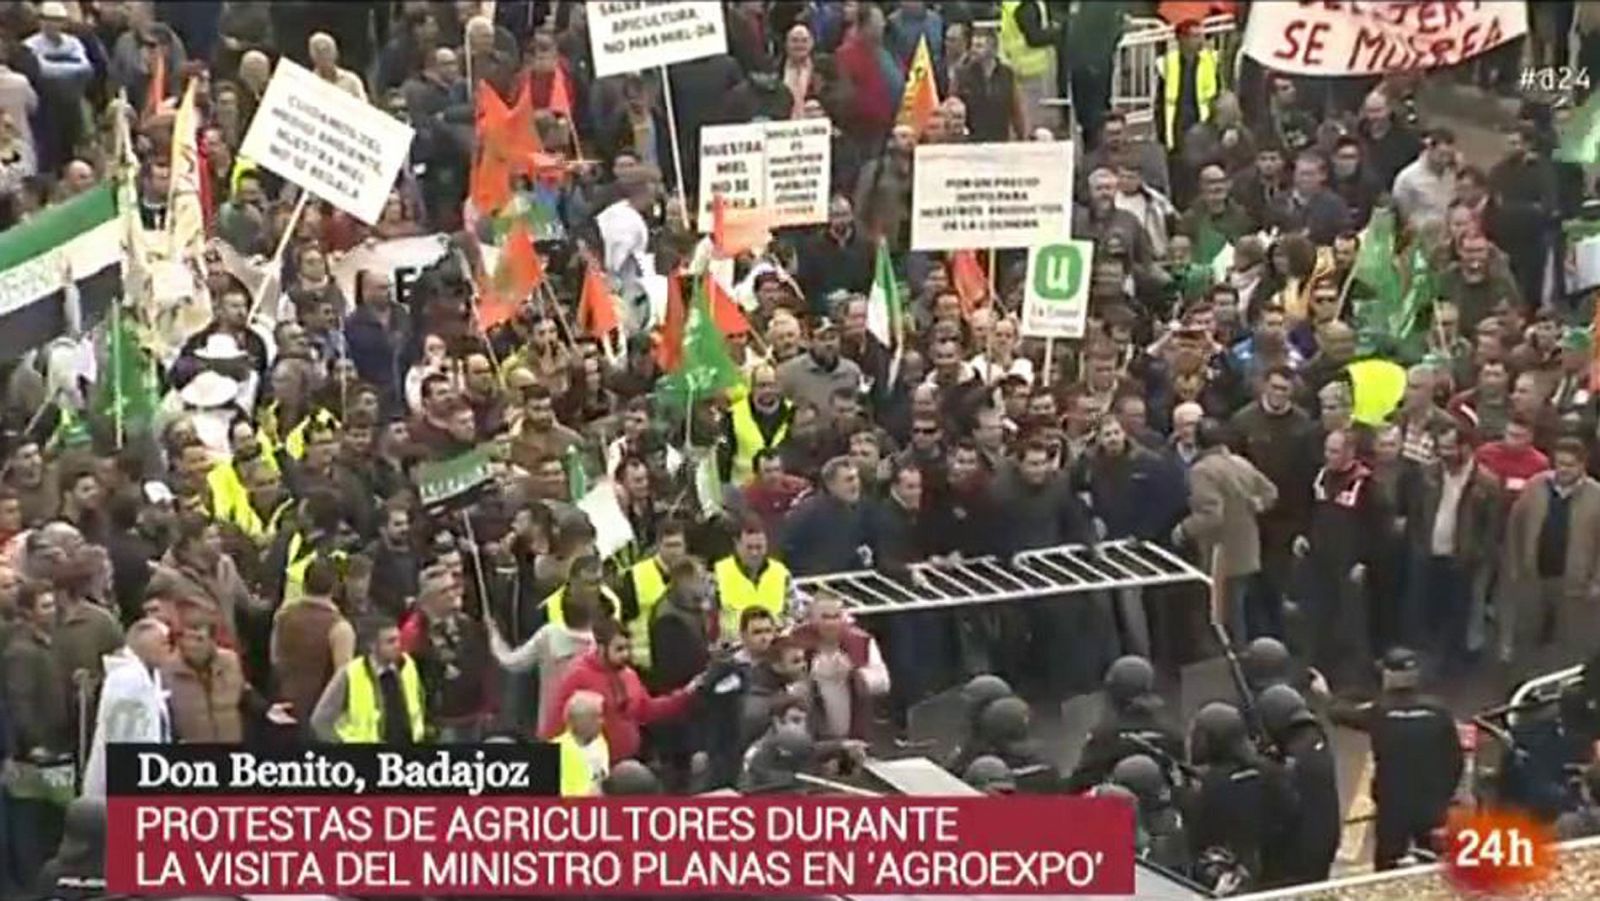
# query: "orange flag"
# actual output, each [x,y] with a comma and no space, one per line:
[518,272]
[561,93]
[724,312]
[1177,12]
[921,97]
[969,281]
[597,311]
[669,336]
[507,146]
[735,231]
[156,90]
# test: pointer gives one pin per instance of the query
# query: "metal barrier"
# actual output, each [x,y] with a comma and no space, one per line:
[1136,68]
[1048,572]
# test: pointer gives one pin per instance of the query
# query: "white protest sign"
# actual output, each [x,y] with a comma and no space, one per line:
[977,196]
[1055,302]
[1378,38]
[313,134]
[394,256]
[799,171]
[783,167]
[644,34]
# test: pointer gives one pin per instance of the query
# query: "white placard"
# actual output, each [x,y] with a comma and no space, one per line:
[644,34]
[978,196]
[312,133]
[799,171]
[733,163]
[1378,38]
[1055,301]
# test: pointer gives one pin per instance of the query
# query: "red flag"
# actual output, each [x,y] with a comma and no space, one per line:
[507,146]
[969,281]
[518,272]
[724,312]
[669,338]
[597,310]
[561,92]
[156,91]
[735,231]
[1177,12]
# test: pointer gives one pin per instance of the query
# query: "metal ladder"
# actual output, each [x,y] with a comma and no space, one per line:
[1048,572]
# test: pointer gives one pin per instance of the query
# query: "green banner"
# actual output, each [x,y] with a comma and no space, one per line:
[447,480]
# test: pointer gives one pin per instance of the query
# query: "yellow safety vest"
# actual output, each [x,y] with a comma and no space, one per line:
[294,574]
[649,586]
[362,722]
[578,778]
[251,524]
[1376,388]
[1205,87]
[736,593]
[294,443]
[228,493]
[1025,61]
[748,440]
[553,604]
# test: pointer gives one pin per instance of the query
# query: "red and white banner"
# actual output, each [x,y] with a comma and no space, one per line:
[450,846]
[1361,38]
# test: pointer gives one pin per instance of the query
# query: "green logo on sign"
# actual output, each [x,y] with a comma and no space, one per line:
[1058,273]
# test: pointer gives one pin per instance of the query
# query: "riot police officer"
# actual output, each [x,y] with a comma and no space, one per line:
[1161,825]
[1134,723]
[979,692]
[1299,741]
[1416,756]
[1244,803]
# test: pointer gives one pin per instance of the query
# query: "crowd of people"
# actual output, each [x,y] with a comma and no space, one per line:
[255,561]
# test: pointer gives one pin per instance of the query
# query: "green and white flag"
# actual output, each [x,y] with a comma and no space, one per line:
[883,303]
[70,253]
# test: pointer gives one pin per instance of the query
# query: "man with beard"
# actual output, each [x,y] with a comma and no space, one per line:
[813,377]
[1475,284]
[451,650]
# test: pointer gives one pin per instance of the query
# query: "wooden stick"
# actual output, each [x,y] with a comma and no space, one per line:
[677,150]
[1049,359]
[275,265]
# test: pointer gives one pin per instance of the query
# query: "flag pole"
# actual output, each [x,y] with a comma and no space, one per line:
[677,149]
[1049,359]
[117,351]
[275,264]
[994,290]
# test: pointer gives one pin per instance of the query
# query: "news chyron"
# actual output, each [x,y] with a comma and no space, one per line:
[465,820]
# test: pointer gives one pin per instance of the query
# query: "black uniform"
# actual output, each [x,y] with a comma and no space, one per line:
[1417,763]
[1243,805]
[1314,840]
[1137,729]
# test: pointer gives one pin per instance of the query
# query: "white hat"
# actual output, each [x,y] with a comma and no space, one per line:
[156,492]
[220,347]
[209,389]
[52,9]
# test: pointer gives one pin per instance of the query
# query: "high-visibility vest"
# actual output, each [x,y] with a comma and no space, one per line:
[736,593]
[294,443]
[557,598]
[649,586]
[227,490]
[362,722]
[1376,388]
[1025,61]
[579,778]
[1205,87]
[294,574]
[748,440]
[253,526]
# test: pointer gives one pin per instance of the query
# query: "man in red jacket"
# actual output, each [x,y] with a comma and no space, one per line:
[608,671]
[1513,460]
[846,668]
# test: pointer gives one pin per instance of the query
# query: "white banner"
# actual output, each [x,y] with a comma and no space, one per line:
[976,196]
[784,167]
[403,258]
[342,150]
[1378,38]
[1055,301]
[628,37]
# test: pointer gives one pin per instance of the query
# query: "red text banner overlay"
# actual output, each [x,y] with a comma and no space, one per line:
[433,845]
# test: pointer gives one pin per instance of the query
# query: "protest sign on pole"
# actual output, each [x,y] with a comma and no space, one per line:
[781,167]
[1378,38]
[395,256]
[629,37]
[1055,300]
[329,143]
[977,196]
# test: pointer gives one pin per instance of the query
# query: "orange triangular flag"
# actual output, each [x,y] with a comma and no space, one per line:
[921,97]
[561,93]
[669,338]
[735,231]
[507,146]
[156,90]
[597,310]
[724,312]
[518,272]
[967,277]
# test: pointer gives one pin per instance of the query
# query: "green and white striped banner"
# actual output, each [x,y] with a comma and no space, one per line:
[61,268]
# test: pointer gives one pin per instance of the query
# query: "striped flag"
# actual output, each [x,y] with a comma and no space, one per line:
[883,303]
[71,248]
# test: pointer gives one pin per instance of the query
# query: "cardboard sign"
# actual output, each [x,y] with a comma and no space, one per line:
[979,196]
[783,167]
[628,37]
[1055,303]
[342,150]
[1378,38]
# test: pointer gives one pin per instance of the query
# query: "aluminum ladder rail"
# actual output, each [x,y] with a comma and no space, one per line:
[1047,572]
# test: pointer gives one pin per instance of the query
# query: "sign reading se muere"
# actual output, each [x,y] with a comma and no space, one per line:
[328,142]
[628,37]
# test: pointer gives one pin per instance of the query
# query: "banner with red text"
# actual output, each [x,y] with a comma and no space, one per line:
[1360,38]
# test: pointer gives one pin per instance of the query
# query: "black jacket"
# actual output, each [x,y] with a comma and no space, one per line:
[1416,755]
[1242,806]
[1309,848]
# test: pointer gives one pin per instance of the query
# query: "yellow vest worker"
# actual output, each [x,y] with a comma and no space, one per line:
[648,580]
[362,722]
[552,604]
[737,592]
[1206,87]
[748,439]
[300,556]
[1025,61]
[583,767]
